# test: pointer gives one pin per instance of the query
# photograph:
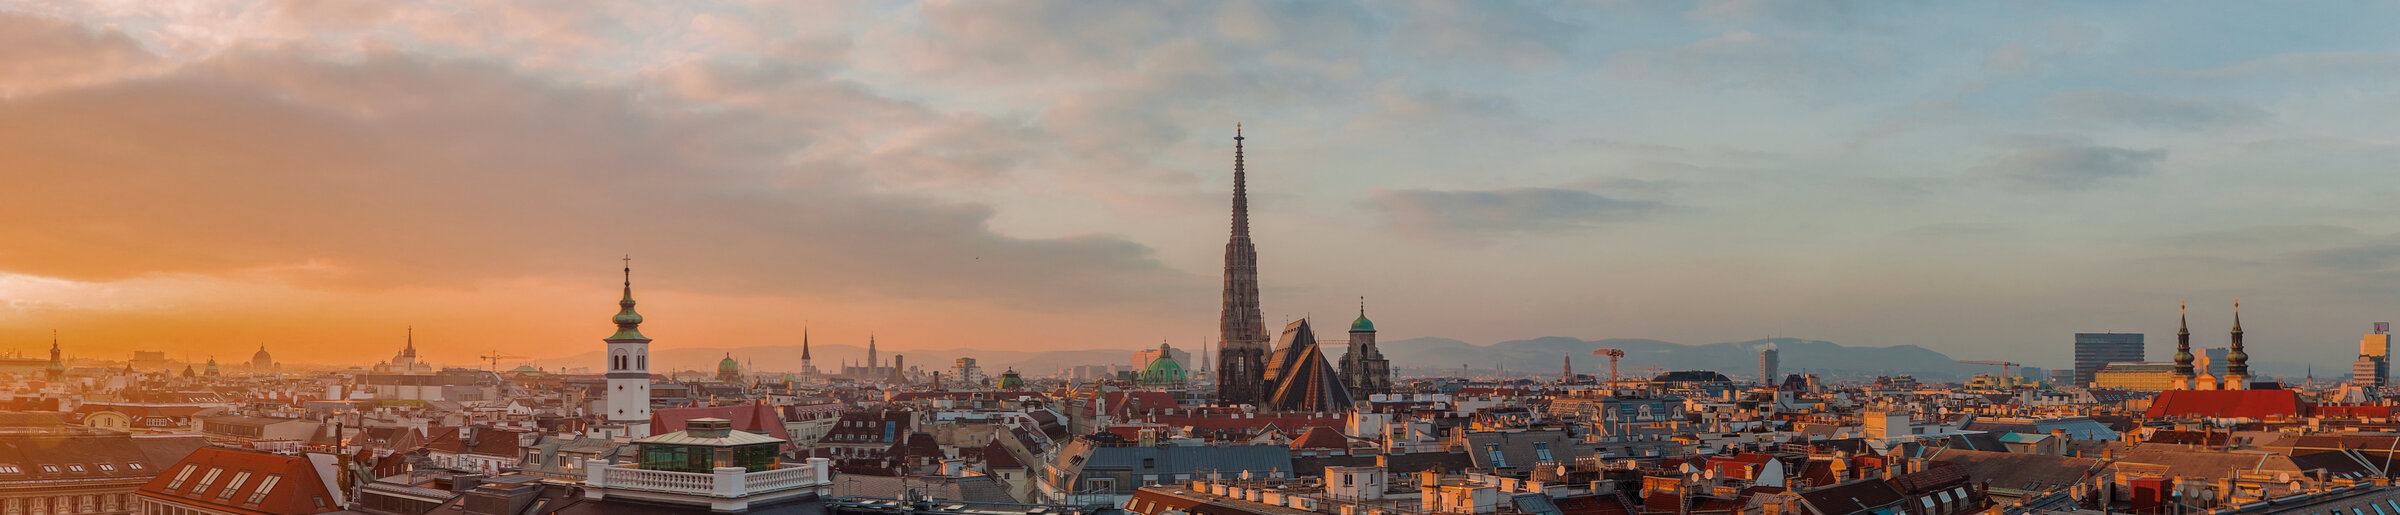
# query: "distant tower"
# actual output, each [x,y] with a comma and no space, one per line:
[1566,368]
[806,368]
[2184,375]
[1364,370]
[1768,360]
[58,367]
[2237,362]
[898,362]
[629,366]
[1242,330]
[871,362]
[2374,367]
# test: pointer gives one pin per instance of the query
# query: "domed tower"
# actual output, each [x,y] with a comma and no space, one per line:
[1363,368]
[1010,380]
[262,363]
[212,366]
[628,396]
[729,370]
[1163,370]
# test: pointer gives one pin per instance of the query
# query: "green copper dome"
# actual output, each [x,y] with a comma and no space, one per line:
[1163,371]
[1362,325]
[728,364]
[1010,380]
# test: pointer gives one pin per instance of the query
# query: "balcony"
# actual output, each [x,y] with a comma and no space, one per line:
[725,489]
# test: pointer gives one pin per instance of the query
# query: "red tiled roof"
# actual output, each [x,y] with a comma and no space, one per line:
[997,456]
[296,488]
[2354,411]
[2257,404]
[1321,437]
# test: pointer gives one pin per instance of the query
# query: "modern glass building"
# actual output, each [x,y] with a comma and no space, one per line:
[2094,351]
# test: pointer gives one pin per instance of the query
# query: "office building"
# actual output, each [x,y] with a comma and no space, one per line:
[2094,351]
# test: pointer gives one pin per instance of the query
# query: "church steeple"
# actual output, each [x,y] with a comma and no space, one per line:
[2237,361]
[2183,349]
[628,322]
[804,343]
[1242,329]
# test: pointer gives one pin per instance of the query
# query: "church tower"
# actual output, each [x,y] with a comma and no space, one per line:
[1242,329]
[628,401]
[1364,370]
[2237,362]
[806,368]
[2183,352]
[57,369]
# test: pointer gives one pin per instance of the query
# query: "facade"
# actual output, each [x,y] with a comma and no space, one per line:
[1241,328]
[1364,370]
[2144,377]
[57,468]
[2096,350]
[628,395]
[2374,366]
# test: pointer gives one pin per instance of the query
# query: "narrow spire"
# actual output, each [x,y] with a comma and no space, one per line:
[1241,188]
[1362,306]
[804,340]
[2183,316]
[2237,314]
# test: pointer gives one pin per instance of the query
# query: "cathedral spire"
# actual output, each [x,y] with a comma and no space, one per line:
[1242,329]
[804,341]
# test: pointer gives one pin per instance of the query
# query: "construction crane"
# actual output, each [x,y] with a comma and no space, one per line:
[2005,379]
[1613,356]
[495,358]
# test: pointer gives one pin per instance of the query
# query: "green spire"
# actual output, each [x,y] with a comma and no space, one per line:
[628,322]
[1362,325]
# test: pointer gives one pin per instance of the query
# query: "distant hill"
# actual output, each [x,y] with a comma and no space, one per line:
[1736,359]
[1536,356]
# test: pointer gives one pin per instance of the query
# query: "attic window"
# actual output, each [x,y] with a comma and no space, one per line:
[75,467]
[50,468]
[9,469]
[104,467]
[134,465]
[265,486]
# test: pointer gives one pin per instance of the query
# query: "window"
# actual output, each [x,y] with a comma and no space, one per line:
[75,467]
[1349,479]
[205,480]
[50,469]
[180,476]
[1541,450]
[235,484]
[1492,451]
[265,486]
[9,469]
[134,465]
[104,467]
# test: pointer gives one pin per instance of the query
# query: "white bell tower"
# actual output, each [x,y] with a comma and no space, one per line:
[628,367]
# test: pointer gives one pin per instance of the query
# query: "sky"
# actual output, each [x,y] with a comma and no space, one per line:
[1982,179]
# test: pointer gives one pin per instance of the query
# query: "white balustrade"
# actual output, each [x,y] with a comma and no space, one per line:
[789,476]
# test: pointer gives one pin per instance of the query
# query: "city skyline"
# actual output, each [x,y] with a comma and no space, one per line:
[1984,184]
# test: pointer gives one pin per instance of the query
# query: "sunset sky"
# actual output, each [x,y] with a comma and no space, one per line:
[1983,179]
